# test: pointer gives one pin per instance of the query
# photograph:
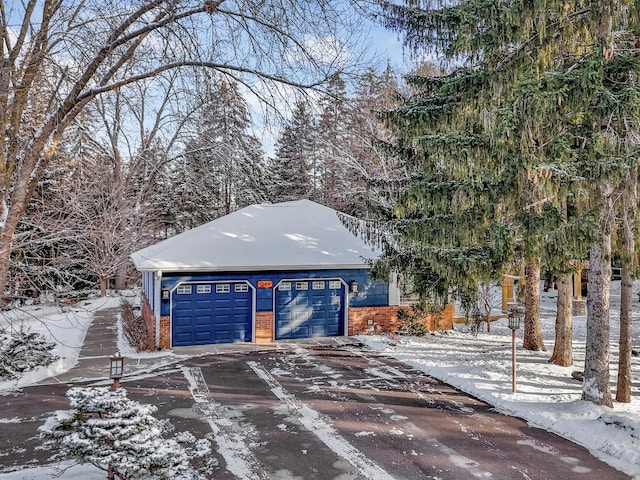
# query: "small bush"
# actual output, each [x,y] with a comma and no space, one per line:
[135,329]
[22,351]
[414,321]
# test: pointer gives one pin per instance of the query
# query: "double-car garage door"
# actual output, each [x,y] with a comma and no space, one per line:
[213,313]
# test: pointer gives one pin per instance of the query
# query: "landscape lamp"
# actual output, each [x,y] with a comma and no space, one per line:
[116,369]
[515,313]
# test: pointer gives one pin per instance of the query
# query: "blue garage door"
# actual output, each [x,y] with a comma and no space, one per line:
[211,313]
[309,308]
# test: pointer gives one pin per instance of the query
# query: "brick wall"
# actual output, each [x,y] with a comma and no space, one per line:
[264,327]
[385,319]
[165,332]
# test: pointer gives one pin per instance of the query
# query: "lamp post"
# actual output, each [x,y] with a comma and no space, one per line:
[116,369]
[515,312]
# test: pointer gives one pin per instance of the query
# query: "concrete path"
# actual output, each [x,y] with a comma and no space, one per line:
[100,343]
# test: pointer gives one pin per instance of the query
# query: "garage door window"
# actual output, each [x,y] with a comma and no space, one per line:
[317,285]
[302,285]
[183,290]
[223,288]
[335,284]
[241,287]
[284,287]
[203,289]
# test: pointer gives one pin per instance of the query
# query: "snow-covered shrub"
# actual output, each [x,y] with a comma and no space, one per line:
[121,437]
[22,351]
[134,328]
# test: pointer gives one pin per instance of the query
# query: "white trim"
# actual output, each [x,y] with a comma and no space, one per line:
[394,294]
[213,282]
[171,268]
[346,297]
[157,302]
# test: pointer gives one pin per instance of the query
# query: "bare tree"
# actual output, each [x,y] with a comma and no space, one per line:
[57,56]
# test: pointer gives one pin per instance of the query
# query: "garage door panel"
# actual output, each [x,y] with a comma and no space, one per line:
[215,317]
[316,312]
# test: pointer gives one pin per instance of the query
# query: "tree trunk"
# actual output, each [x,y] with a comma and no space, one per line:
[595,386]
[532,331]
[623,389]
[104,282]
[7,231]
[562,349]
[629,215]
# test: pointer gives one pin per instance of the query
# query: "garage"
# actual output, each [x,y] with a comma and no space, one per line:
[267,272]
[211,313]
[308,308]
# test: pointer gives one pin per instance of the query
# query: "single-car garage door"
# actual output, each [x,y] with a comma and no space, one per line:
[204,314]
[309,308]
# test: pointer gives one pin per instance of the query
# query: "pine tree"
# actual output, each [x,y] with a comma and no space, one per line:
[21,351]
[296,169]
[539,105]
[334,153]
[121,437]
[222,168]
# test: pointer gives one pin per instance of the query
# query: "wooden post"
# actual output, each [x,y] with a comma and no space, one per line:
[577,285]
[513,360]
[507,292]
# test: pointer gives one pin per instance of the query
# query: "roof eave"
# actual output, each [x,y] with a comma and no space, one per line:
[259,268]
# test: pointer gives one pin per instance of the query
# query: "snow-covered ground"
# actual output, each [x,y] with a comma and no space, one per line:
[547,395]
[64,326]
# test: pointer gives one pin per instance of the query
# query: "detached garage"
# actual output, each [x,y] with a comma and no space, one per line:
[267,272]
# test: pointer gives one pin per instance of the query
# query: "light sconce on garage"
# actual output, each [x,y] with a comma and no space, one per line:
[165,292]
[353,286]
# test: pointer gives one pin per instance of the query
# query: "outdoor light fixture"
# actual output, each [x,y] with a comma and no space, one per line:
[353,286]
[116,369]
[515,312]
[165,292]
[514,320]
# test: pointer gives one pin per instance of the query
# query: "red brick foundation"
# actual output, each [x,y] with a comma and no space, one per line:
[361,320]
[385,319]
[165,332]
[264,327]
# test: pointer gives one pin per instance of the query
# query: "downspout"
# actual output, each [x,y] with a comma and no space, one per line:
[157,302]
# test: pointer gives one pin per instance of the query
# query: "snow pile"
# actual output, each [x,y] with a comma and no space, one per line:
[546,395]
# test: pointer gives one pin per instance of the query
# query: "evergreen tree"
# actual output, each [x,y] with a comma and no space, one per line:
[539,106]
[335,150]
[222,167]
[296,168]
[121,437]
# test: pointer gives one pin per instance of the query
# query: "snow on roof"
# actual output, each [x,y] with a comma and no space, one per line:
[292,235]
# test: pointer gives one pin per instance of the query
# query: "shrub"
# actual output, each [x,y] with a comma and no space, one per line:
[135,329]
[122,437]
[414,321]
[22,351]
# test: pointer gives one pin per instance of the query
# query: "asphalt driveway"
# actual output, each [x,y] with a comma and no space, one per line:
[324,412]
